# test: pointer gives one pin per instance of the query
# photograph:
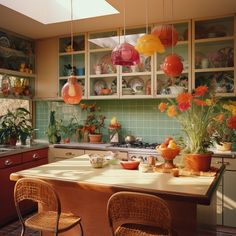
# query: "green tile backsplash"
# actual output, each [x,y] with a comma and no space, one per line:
[137,117]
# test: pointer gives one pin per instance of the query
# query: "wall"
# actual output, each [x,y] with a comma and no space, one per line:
[137,117]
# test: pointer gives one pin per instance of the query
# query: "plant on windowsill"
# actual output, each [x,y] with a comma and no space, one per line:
[194,111]
[15,125]
[93,123]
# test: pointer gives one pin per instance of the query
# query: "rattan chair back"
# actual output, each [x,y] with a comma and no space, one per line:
[138,208]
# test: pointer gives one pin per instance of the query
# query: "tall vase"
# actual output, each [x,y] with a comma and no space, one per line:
[198,162]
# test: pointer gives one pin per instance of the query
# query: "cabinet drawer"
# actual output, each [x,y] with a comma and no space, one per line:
[67,153]
[9,161]
[95,152]
[230,163]
[35,155]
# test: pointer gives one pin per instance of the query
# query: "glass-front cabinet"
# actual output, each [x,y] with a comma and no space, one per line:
[166,86]
[72,59]
[136,81]
[102,74]
[213,55]
[17,66]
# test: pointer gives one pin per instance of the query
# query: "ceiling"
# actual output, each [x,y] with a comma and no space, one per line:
[135,15]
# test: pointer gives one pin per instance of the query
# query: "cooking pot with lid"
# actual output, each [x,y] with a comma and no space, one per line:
[130,139]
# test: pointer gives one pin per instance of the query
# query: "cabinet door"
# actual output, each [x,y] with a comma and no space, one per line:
[166,86]
[213,55]
[103,75]
[229,198]
[75,57]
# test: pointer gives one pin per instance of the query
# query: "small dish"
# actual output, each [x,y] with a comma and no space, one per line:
[136,84]
[98,86]
[97,161]
[130,165]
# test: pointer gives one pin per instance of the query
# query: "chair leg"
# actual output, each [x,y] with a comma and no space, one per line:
[81,229]
[22,230]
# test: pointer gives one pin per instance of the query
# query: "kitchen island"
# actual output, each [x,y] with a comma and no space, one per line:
[85,191]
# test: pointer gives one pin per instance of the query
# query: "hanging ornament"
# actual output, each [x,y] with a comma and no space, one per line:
[148,44]
[125,55]
[72,92]
[167,35]
[172,65]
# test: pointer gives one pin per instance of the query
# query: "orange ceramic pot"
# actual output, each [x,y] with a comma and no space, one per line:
[198,162]
[95,138]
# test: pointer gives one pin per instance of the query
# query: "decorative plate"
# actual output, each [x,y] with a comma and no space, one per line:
[98,86]
[106,64]
[136,84]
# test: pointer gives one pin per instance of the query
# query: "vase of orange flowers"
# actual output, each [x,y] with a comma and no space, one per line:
[194,111]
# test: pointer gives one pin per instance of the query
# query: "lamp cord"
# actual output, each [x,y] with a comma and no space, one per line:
[71,32]
[172,32]
[146,8]
[124,20]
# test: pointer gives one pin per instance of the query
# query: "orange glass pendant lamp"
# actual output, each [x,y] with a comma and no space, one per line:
[148,44]
[125,55]
[167,35]
[72,92]
[172,65]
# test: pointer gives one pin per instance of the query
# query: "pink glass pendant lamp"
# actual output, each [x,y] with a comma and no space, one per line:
[72,92]
[125,54]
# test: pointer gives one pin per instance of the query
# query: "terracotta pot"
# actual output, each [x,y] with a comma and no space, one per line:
[95,138]
[198,162]
[225,146]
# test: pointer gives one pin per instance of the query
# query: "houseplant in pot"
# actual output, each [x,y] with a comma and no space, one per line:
[194,111]
[94,122]
[15,125]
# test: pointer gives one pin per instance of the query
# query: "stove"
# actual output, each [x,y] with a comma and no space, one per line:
[138,145]
[138,150]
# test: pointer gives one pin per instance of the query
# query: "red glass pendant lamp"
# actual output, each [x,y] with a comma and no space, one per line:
[172,65]
[72,92]
[167,35]
[125,54]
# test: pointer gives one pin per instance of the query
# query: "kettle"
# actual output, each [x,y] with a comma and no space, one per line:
[130,139]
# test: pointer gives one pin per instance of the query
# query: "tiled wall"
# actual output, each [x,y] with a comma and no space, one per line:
[137,117]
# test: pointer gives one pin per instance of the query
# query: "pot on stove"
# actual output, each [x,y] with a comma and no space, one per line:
[130,139]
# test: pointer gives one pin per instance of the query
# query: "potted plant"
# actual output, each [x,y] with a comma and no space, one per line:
[194,111]
[223,127]
[15,125]
[94,122]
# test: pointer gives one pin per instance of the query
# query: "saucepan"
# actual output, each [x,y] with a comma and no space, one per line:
[130,139]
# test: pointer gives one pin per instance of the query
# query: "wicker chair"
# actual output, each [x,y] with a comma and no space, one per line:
[52,219]
[138,214]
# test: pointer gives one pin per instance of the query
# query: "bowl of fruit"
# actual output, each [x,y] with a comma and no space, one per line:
[168,150]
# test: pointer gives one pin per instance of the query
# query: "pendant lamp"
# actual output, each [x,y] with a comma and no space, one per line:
[166,33]
[125,54]
[172,65]
[72,92]
[148,44]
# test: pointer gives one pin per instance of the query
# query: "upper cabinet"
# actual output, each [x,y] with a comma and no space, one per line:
[102,74]
[213,54]
[166,86]
[136,81]
[17,66]
[72,56]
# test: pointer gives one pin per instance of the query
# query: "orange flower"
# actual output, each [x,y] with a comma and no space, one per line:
[183,106]
[220,118]
[171,111]
[162,106]
[232,122]
[200,91]
[209,102]
[83,106]
[200,102]
[184,98]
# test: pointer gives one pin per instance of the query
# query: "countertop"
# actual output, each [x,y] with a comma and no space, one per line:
[79,170]
[11,150]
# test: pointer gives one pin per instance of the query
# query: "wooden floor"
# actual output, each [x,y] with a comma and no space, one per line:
[14,229]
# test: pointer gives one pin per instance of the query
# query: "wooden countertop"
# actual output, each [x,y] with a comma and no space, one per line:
[78,170]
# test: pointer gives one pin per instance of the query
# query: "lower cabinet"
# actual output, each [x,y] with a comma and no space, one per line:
[226,193]
[8,165]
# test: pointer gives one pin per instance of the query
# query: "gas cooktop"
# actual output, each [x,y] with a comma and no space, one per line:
[139,144]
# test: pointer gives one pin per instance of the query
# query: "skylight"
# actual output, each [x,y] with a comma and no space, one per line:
[55,11]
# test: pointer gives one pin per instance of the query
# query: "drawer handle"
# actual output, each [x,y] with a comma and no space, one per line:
[36,156]
[222,162]
[69,154]
[8,162]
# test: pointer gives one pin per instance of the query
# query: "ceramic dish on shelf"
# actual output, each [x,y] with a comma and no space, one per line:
[98,86]
[106,64]
[4,42]
[136,84]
